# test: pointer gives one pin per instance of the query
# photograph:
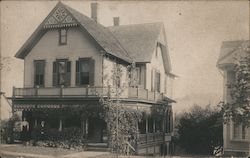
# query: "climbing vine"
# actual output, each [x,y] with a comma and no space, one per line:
[239,108]
[121,120]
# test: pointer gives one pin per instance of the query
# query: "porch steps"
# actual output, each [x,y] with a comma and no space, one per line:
[98,147]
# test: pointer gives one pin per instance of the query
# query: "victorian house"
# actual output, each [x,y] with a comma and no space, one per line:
[236,137]
[68,63]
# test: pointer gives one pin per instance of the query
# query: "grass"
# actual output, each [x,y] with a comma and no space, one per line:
[36,150]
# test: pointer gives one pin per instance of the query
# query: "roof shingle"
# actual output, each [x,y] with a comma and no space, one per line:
[139,39]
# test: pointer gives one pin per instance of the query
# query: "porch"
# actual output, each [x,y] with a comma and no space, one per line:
[132,93]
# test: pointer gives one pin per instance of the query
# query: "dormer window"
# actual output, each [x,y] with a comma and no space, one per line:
[62,37]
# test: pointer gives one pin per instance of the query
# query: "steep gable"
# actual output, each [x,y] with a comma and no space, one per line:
[64,16]
[140,40]
[231,51]
[59,17]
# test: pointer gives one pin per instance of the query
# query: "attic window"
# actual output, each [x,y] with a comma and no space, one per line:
[62,37]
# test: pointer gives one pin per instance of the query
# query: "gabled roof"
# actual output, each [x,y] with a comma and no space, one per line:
[140,41]
[127,42]
[231,51]
[98,32]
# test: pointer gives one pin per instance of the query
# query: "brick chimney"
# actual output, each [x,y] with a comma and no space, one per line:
[116,21]
[94,7]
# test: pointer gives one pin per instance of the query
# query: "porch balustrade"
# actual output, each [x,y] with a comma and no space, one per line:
[144,139]
[130,92]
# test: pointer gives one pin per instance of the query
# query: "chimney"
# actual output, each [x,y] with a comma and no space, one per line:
[94,11]
[116,21]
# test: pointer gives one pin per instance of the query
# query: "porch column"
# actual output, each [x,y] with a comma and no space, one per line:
[154,126]
[154,132]
[168,148]
[87,127]
[35,123]
[147,134]
[83,126]
[60,125]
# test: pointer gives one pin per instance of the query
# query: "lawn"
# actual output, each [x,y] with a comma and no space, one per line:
[36,150]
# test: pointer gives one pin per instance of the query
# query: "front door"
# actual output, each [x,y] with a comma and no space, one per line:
[96,130]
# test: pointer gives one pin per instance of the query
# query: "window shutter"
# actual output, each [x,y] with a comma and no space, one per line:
[55,76]
[77,72]
[92,72]
[42,75]
[68,75]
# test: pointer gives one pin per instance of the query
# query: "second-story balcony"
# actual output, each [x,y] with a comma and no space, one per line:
[89,92]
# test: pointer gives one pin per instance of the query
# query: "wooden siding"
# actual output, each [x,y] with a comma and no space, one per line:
[79,45]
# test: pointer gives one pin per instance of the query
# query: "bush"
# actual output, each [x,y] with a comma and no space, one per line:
[69,138]
[8,127]
[200,130]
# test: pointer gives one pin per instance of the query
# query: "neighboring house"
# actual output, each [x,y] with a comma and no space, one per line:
[235,136]
[70,57]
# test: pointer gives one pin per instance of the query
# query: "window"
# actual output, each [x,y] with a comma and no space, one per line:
[136,77]
[152,80]
[239,131]
[39,72]
[61,72]
[84,71]
[244,132]
[236,131]
[157,81]
[62,37]
[117,75]
[165,84]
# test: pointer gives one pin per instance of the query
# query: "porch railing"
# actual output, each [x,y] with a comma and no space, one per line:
[130,92]
[144,139]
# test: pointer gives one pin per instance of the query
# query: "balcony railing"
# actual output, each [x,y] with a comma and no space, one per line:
[130,92]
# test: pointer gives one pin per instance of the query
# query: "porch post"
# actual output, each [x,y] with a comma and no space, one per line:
[83,126]
[35,122]
[154,133]
[147,135]
[154,129]
[60,125]
[86,127]
[137,137]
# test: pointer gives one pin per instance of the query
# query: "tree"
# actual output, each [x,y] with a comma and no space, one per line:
[121,120]
[239,108]
[200,130]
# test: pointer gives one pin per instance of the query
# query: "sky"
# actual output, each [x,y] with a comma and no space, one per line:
[194,30]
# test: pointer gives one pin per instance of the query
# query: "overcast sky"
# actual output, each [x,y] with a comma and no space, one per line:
[194,30]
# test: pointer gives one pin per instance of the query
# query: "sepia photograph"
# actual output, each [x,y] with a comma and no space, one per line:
[128,79]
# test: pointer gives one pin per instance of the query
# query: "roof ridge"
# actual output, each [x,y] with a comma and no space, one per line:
[100,25]
[135,24]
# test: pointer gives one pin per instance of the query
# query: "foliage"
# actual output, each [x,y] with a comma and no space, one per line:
[239,108]
[200,130]
[8,127]
[121,120]
[69,138]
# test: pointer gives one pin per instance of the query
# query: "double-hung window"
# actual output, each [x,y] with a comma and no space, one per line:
[62,36]
[157,81]
[39,67]
[84,71]
[61,72]
[136,77]
[239,131]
